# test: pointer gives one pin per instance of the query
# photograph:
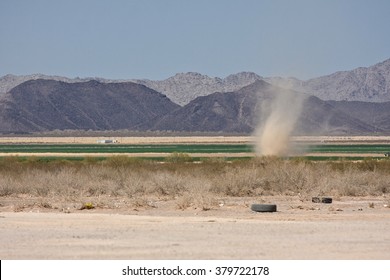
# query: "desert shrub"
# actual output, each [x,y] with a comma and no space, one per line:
[91,160]
[6,190]
[184,202]
[265,176]
[236,181]
[179,157]
[192,184]
[120,161]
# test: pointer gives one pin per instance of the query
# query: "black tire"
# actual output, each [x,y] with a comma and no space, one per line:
[263,207]
[326,200]
[315,199]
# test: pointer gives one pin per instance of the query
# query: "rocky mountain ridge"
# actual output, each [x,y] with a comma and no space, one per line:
[47,105]
[242,112]
[181,88]
[367,84]
[185,87]
[10,81]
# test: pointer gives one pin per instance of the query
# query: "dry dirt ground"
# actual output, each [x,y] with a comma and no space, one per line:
[192,139]
[349,228]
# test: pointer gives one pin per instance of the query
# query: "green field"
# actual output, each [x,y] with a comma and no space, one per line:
[193,149]
[181,148]
[120,148]
[357,148]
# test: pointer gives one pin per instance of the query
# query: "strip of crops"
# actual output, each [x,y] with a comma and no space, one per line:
[179,148]
[115,148]
[350,149]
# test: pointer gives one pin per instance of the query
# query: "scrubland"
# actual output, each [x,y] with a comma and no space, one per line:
[121,182]
[127,208]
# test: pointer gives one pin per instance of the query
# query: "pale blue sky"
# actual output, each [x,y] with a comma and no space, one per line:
[157,38]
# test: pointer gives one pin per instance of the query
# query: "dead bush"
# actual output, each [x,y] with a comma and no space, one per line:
[191,184]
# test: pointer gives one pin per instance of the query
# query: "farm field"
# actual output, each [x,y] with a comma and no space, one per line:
[189,139]
[311,150]
[126,148]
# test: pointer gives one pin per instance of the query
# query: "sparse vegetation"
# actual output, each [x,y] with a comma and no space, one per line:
[125,182]
[179,157]
[87,205]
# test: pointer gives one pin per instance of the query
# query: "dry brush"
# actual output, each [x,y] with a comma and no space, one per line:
[125,182]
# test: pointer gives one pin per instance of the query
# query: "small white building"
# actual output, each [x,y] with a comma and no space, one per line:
[107,141]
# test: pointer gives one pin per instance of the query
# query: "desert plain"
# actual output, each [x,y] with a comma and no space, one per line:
[180,211]
[348,229]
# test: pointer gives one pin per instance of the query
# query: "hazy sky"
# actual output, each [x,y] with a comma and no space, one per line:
[157,38]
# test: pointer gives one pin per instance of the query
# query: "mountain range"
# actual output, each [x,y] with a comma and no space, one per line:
[44,105]
[241,112]
[367,84]
[349,102]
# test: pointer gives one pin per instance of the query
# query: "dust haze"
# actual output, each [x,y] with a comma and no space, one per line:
[277,123]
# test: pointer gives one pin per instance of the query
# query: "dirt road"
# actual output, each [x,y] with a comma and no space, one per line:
[343,230]
[191,139]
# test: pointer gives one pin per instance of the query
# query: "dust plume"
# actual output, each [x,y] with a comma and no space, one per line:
[277,123]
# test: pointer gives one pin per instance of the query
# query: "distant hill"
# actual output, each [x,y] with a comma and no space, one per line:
[240,112]
[10,81]
[227,112]
[373,113]
[184,87]
[46,105]
[181,88]
[321,117]
[42,105]
[368,84]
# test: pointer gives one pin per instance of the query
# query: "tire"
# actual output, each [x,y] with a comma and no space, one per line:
[315,199]
[263,207]
[326,200]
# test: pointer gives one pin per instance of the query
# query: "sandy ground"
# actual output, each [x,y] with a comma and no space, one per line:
[346,229]
[141,155]
[130,140]
[192,139]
